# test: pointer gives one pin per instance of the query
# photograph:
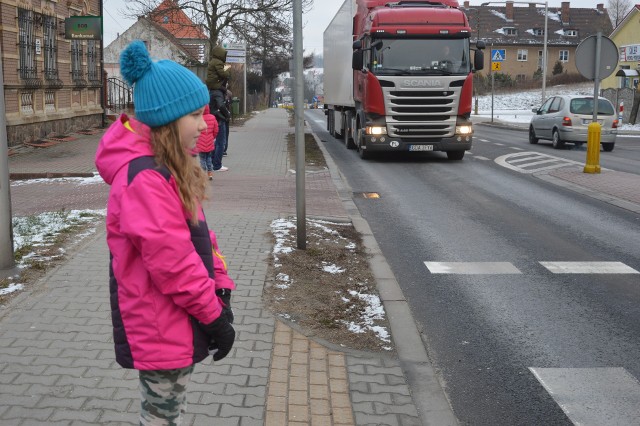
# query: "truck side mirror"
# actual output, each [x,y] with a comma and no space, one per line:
[357,62]
[478,60]
[480,44]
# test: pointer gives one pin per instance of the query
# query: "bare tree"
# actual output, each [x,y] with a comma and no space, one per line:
[618,9]
[215,17]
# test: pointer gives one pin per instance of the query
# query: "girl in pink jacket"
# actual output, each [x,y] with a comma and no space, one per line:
[205,145]
[170,292]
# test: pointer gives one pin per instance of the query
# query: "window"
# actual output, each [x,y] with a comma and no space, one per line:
[539,59]
[522,55]
[26,44]
[555,105]
[510,31]
[571,33]
[50,26]
[521,77]
[76,61]
[538,31]
[165,20]
[92,61]
[564,56]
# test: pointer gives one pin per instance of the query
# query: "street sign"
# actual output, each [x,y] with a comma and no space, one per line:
[235,60]
[236,53]
[234,46]
[586,57]
[496,66]
[498,55]
[83,28]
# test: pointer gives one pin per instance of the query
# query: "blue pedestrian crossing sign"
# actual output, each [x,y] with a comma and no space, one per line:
[498,55]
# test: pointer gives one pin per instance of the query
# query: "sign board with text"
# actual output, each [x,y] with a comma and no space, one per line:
[234,46]
[630,53]
[235,60]
[83,28]
[236,53]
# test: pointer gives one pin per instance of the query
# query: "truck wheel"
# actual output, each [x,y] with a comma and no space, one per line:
[607,147]
[363,152]
[348,142]
[455,155]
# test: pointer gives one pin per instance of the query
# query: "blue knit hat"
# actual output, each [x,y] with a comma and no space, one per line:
[163,91]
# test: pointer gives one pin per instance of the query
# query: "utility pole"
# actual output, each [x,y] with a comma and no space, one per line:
[7,261]
[299,119]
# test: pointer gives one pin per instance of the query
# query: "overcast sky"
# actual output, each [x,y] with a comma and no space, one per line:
[314,21]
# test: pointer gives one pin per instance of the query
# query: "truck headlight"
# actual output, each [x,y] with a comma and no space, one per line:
[376,130]
[464,129]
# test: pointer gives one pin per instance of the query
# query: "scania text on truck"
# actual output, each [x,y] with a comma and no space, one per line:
[398,76]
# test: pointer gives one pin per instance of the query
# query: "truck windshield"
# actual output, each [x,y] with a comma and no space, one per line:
[421,57]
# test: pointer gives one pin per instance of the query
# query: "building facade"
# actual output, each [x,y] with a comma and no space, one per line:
[52,86]
[519,31]
[626,37]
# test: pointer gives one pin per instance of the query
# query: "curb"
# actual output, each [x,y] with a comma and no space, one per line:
[48,175]
[427,393]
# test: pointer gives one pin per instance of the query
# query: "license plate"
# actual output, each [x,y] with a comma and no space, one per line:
[586,122]
[420,147]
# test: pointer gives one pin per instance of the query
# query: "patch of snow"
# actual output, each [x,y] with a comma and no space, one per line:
[499,14]
[332,269]
[11,289]
[350,246]
[551,15]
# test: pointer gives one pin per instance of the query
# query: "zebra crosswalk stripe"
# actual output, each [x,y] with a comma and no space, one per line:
[593,396]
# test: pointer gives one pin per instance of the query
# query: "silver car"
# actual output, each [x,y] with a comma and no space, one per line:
[566,119]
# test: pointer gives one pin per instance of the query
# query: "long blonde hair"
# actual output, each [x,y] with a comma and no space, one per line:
[191,180]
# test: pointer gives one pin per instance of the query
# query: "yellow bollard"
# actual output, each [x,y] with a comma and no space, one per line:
[593,148]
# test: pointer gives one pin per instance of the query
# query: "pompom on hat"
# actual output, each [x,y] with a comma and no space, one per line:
[163,91]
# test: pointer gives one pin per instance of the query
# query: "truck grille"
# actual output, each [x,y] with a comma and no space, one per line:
[421,113]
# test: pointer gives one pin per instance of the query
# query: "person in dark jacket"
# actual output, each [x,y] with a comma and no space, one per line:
[170,292]
[217,70]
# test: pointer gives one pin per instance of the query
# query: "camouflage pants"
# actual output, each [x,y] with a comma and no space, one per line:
[164,396]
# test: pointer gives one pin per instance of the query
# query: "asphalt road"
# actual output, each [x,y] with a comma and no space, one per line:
[512,337]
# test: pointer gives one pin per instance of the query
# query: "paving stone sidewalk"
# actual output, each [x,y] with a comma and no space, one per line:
[56,357]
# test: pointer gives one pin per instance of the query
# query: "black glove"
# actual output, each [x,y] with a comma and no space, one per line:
[224,294]
[222,336]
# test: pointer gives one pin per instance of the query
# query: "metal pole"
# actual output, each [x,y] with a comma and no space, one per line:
[299,120]
[245,84]
[492,80]
[596,86]
[544,53]
[7,260]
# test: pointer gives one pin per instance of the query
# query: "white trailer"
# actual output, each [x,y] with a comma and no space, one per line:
[338,75]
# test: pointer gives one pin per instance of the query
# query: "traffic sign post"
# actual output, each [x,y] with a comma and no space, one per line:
[498,55]
[236,54]
[596,58]
[496,66]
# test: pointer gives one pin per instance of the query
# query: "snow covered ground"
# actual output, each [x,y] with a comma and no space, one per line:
[516,107]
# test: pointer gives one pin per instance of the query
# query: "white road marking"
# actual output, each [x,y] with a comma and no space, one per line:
[588,268]
[482,158]
[471,268]
[516,148]
[499,144]
[483,140]
[517,161]
[593,396]
[535,163]
[525,159]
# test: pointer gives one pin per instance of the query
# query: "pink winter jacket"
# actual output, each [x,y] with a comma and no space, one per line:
[207,138]
[163,270]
